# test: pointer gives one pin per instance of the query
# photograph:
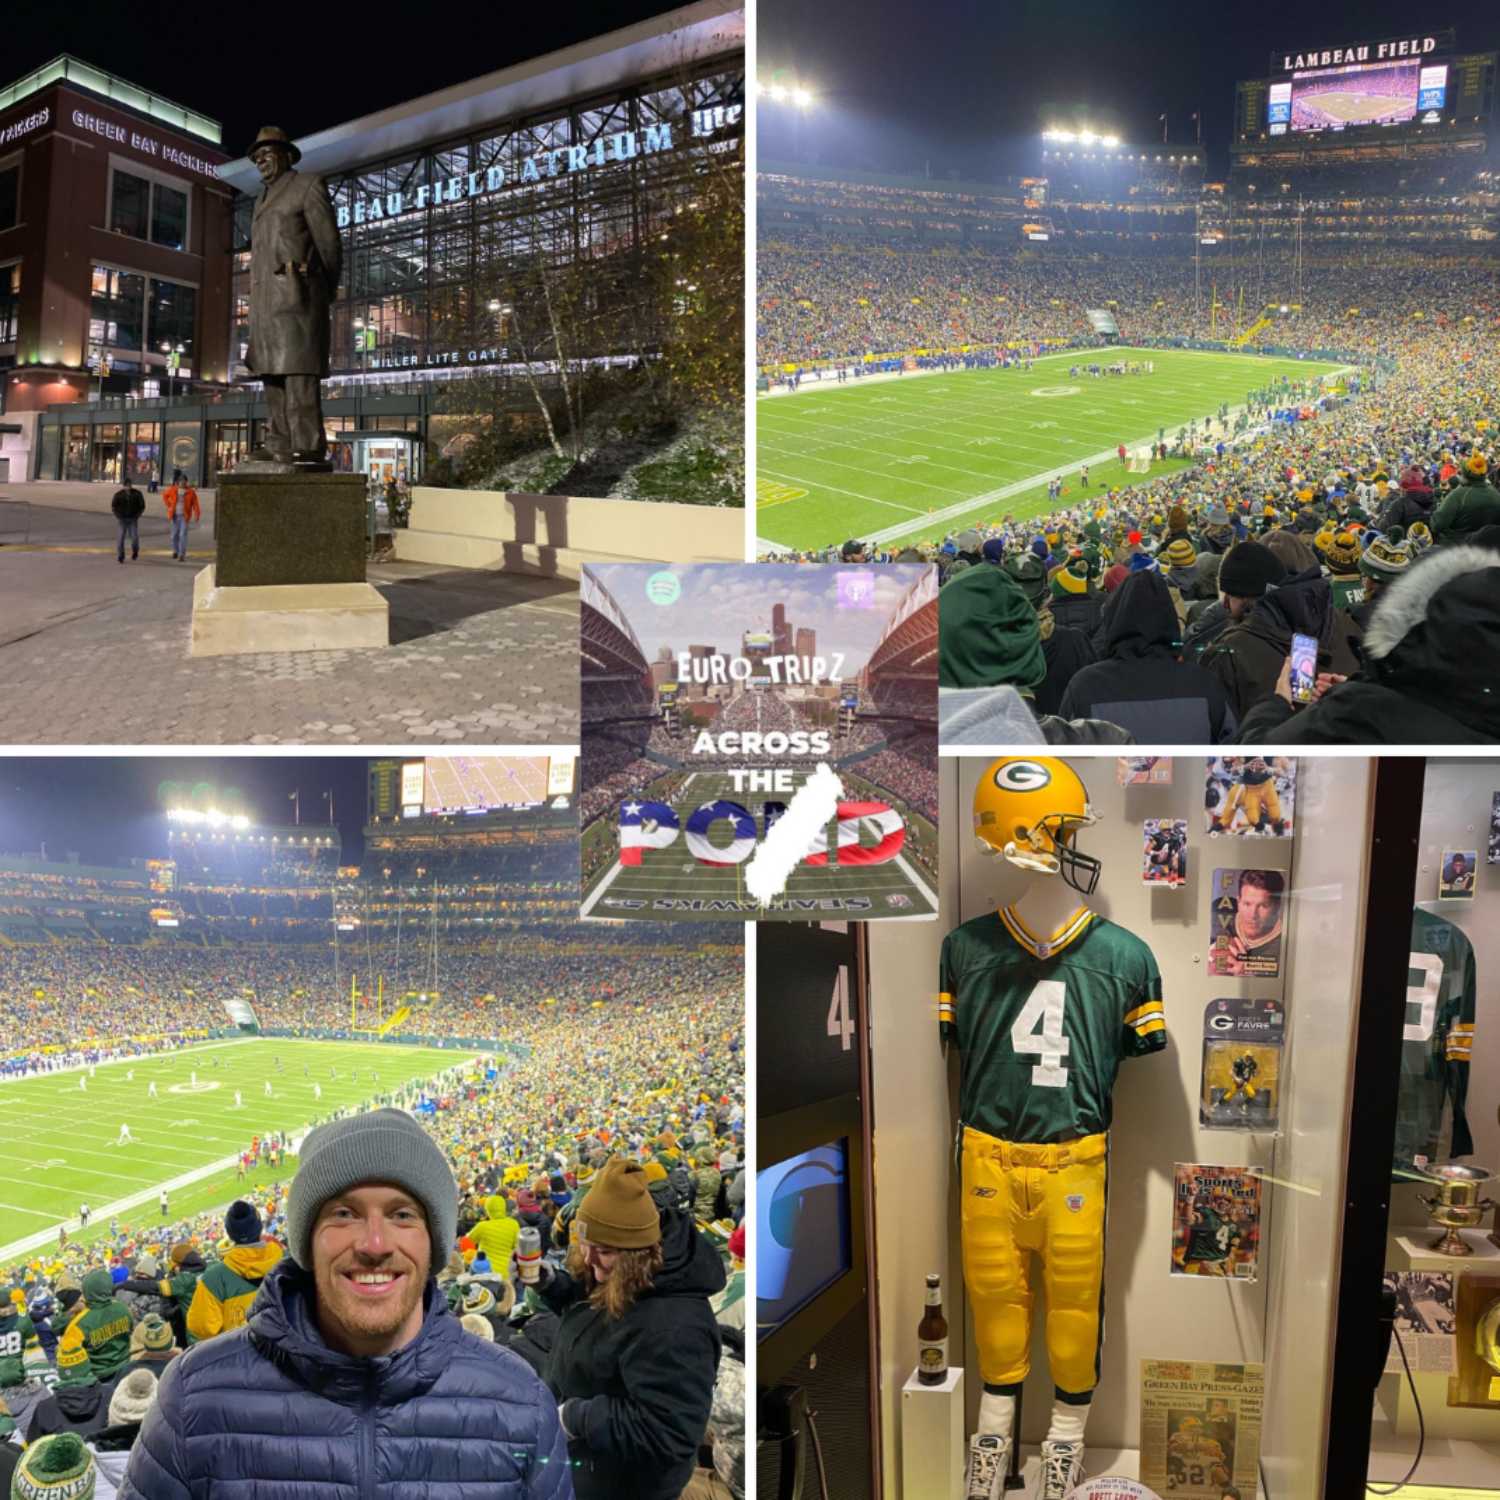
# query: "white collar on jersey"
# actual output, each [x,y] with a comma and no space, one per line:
[1045,947]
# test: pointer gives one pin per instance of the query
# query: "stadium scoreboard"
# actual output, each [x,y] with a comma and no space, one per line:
[1383,88]
[447,787]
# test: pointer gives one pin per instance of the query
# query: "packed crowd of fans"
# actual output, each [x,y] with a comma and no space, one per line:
[640,1061]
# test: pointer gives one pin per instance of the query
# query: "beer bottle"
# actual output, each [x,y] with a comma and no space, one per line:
[932,1337]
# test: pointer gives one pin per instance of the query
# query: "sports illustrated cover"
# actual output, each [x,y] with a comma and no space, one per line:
[1241,1075]
[1456,877]
[1215,1221]
[1164,858]
[1143,770]
[1246,915]
[1200,1428]
[1425,1321]
[1251,795]
[1494,855]
[759,741]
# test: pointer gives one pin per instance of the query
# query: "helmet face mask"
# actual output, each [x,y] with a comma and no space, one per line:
[1029,811]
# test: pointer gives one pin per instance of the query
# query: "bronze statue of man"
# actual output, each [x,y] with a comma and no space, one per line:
[295,256]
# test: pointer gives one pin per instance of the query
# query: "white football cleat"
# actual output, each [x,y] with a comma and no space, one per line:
[989,1459]
[1062,1468]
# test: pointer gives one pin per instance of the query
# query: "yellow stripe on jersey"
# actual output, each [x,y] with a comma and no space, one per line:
[1067,933]
[1147,1027]
[1144,1012]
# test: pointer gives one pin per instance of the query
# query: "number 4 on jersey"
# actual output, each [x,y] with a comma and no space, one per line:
[1045,1006]
[840,1022]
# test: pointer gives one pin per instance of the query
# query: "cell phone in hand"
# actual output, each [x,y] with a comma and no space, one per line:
[1304,677]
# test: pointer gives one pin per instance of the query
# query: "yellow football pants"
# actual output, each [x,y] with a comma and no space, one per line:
[1264,796]
[1047,1201]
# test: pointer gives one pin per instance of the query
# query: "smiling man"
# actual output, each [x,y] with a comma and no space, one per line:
[352,1379]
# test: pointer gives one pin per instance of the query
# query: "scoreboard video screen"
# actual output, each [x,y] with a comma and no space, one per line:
[468,786]
[1361,94]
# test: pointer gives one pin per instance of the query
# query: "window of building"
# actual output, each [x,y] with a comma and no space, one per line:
[148,210]
[10,196]
[117,309]
[169,210]
[10,301]
[173,309]
[129,205]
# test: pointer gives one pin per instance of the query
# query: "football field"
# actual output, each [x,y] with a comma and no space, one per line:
[62,1141]
[910,459]
[671,882]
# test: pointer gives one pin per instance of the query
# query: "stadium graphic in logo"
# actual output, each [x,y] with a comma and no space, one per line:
[1050,391]
[202,1086]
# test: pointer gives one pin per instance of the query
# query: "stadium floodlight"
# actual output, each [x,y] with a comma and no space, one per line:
[1110,142]
[802,98]
[778,93]
[1086,137]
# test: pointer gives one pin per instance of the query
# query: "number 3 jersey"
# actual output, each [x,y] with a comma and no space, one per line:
[1043,1024]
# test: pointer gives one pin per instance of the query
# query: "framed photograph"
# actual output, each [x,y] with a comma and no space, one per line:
[1164,852]
[1251,796]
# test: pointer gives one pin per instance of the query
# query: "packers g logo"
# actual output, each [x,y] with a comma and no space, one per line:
[1022,776]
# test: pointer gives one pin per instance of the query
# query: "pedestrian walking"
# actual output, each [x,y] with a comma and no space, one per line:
[128,506]
[181,501]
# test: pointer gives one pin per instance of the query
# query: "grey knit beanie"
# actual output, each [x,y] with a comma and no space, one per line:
[385,1145]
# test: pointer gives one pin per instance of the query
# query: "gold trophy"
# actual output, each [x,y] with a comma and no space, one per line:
[1456,1204]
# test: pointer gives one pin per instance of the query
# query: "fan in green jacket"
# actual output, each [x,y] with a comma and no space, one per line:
[103,1327]
[228,1287]
[1468,506]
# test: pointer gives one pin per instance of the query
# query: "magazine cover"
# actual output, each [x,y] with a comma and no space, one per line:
[759,741]
[1200,1428]
[1246,914]
[1251,795]
[1425,1320]
[1143,770]
[1164,855]
[1215,1221]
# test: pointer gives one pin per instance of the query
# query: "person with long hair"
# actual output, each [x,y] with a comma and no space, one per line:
[637,1345]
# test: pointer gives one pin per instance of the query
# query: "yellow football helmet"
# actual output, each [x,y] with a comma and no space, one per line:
[1029,808]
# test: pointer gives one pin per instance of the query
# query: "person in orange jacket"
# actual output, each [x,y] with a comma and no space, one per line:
[181,500]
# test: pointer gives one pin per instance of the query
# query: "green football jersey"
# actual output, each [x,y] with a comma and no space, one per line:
[14,1332]
[1211,1236]
[1044,1027]
[1437,1042]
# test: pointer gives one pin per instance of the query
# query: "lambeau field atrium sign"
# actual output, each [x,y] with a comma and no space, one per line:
[623,145]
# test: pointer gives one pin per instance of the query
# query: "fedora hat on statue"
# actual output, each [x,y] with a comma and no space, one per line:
[272,135]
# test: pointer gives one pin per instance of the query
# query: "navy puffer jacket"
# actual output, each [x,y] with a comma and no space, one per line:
[270,1412]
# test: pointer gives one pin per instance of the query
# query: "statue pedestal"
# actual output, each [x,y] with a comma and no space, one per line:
[290,568]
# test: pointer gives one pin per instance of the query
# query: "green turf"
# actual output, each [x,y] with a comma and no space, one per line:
[897,460]
[674,876]
[60,1139]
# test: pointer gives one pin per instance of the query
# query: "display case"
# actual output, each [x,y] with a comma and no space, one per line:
[1224,1368]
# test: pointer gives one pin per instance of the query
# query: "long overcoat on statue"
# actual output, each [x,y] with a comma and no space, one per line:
[295,257]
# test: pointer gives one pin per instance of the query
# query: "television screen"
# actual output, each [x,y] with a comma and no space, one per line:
[1364,94]
[802,1232]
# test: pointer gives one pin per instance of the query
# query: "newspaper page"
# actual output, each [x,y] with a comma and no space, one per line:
[1200,1428]
[1425,1321]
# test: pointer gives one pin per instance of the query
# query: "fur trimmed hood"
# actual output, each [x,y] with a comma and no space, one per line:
[1408,602]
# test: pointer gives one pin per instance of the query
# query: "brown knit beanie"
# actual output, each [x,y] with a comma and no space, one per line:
[618,1210]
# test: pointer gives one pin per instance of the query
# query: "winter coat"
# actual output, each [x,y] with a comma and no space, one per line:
[102,1327]
[1467,507]
[1429,673]
[1248,659]
[497,1234]
[1065,651]
[128,503]
[1140,684]
[1414,504]
[83,1409]
[1204,629]
[295,259]
[226,1289]
[271,1412]
[636,1391]
[176,1293]
[1078,611]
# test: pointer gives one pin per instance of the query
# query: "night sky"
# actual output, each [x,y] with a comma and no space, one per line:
[303,68]
[967,88]
[109,809]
